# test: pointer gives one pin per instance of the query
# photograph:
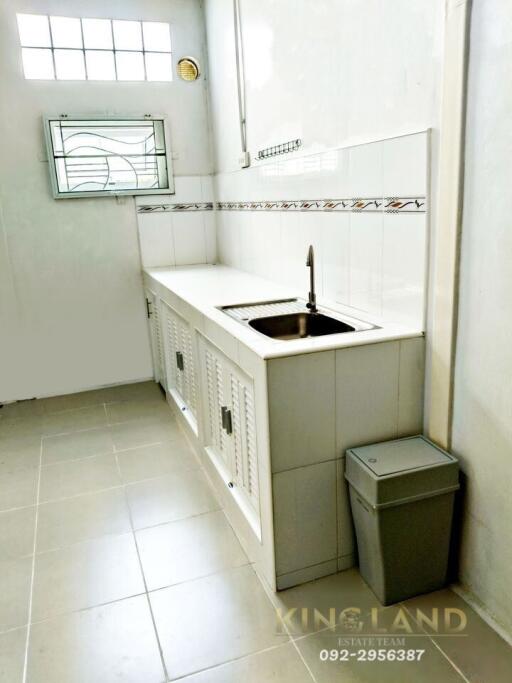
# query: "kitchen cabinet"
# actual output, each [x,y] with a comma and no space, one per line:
[180,362]
[230,426]
[155,336]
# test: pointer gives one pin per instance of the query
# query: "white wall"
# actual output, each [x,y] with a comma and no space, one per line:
[71,305]
[482,425]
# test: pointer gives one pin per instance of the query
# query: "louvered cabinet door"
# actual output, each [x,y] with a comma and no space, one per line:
[170,329]
[155,331]
[189,370]
[243,422]
[214,400]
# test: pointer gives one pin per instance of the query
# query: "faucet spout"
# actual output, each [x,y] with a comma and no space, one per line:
[310,263]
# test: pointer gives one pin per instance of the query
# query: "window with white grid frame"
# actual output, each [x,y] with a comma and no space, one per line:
[70,48]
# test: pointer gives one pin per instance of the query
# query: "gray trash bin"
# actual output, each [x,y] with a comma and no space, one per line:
[401,495]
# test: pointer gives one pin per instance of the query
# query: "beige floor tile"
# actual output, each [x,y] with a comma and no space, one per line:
[126,411]
[166,499]
[213,620]
[12,655]
[91,515]
[86,575]
[15,576]
[20,427]
[140,391]
[481,655]
[188,549]
[433,666]
[75,420]
[18,488]
[340,592]
[29,408]
[111,644]
[144,432]
[17,533]
[19,453]
[158,460]
[82,399]
[65,479]
[279,665]
[77,445]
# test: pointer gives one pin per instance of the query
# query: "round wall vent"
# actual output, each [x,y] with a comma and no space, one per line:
[188,69]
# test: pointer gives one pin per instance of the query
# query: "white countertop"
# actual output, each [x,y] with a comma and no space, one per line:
[207,287]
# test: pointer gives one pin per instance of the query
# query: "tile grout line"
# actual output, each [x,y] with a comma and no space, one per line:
[33,571]
[437,646]
[146,592]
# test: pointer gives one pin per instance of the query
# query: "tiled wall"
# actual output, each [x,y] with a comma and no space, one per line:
[364,208]
[178,229]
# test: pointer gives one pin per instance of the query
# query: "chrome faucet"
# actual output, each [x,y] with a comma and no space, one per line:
[310,263]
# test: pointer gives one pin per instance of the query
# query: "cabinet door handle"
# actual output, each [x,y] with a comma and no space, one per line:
[229,423]
[179,360]
[149,312]
[223,415]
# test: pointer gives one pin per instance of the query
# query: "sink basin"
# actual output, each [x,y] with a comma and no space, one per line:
[299,325]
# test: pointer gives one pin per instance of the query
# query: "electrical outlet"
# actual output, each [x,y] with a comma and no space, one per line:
[244,161]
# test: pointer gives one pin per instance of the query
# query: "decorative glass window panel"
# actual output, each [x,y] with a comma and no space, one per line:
[100,65]
[98,34]
[37,63]
[102,157]
[157,37]
[127,35]
[158,67]
[130,66]
[132,50]
[69,65]
[66,32]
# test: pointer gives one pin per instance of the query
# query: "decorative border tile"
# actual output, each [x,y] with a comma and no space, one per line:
[352,205]
[193,206]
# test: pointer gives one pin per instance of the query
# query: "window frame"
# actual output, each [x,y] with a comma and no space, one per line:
[143,51]
[133,192]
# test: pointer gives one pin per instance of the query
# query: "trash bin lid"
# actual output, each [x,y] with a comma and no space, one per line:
[400,470]
[392,457]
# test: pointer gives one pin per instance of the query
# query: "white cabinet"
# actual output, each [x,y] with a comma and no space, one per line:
[179,362]
[230,427]
[155,333]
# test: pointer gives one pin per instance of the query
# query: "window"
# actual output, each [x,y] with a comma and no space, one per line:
[101,157]
[68,48]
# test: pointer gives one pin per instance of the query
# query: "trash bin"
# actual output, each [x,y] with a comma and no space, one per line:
[401,495]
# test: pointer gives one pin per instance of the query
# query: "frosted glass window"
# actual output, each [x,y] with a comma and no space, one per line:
[37,64]
[97,34]
[66,32]
[157,37]
[34,30]
[130,66]
[69,65]
[127,35]
[158,66]
[95,49]
[100,65]
[96,157]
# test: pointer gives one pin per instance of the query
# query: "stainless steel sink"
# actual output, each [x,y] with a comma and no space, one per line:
[291,319]
[299,325]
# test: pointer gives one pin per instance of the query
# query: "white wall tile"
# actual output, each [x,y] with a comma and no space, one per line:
[187,189]
[366,261]
[189,238]
[365,170]
[404,267]
[405,166]
[335,255]
[209,218]
[156,240]
[207,194]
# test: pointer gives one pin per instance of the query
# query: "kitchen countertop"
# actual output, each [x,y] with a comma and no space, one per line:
[206,287]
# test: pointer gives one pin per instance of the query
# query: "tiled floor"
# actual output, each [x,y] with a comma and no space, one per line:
[116,564]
